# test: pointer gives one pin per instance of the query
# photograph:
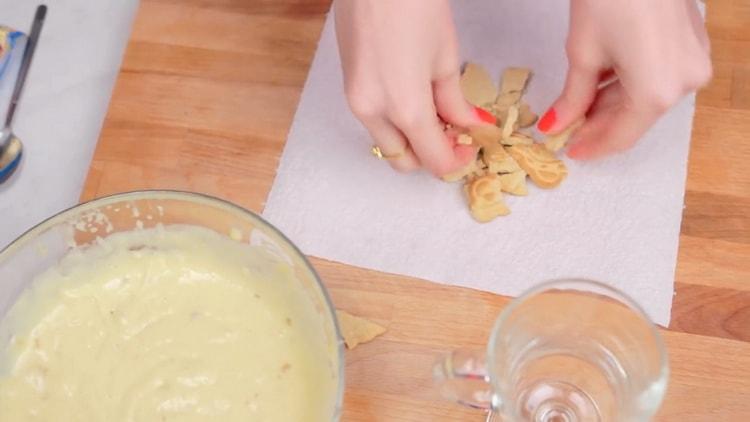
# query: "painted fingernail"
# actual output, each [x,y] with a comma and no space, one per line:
[547,121]
[484,115]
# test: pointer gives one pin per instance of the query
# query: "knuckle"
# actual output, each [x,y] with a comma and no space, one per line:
[409,116]
[701,74]
[363,102]
[662,98]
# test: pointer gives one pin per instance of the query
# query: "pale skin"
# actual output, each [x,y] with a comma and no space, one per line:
[629,62]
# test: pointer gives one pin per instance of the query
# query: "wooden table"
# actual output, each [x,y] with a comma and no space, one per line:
[207,92]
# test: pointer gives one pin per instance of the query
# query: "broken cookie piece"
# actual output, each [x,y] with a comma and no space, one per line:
[470,170]
[517,138]
[486,135]
[498,160]
[486,198]
[514,183]
[503,103]
[464,139]
[558,141]
[509,125]
[544,169]
[506,153]
[506,100]
[512,86]
[514,79]
[477,86]
[356,330]
[526,117]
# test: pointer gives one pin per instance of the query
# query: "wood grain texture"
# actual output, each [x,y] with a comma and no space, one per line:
[204,100]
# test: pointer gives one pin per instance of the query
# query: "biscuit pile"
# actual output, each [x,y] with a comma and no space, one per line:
[507,155]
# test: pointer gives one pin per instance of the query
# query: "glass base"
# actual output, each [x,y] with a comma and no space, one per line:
[555,401]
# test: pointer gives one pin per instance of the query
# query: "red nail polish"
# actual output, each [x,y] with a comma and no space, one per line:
[484,115]
[547,121]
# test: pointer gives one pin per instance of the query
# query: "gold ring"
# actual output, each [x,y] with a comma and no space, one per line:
[379,154]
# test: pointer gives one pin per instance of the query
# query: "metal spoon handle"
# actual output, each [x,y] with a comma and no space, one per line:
[28,54]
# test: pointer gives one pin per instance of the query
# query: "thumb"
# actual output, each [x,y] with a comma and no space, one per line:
[451,105]
[579,92]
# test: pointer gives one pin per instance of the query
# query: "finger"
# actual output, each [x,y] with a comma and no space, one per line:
[607,96]
[612,126]
[579,92]
[420,124]
[393,143]
[451,105]
[437,153]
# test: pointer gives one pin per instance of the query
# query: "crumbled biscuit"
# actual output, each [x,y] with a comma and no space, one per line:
[486,135]
[503,103]
[514,79]
[464,139]
[506,154]
[486,198]
[558,141]
[459,174]
[512,85]
[477,86]
[514,183]
[498,160]
[356,330]
[526,117]
[544,169]
[517,138]
[509,125]
[507,99]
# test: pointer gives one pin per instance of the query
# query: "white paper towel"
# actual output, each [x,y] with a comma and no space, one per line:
[616,220]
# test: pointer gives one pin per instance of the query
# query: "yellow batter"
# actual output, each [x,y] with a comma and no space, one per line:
[166,324]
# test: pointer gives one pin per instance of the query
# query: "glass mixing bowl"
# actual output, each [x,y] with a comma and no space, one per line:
[44,245]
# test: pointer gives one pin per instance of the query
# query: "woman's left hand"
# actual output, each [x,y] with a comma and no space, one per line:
[652,53]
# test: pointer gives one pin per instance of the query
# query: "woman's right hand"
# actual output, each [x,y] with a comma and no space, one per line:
[401,70]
